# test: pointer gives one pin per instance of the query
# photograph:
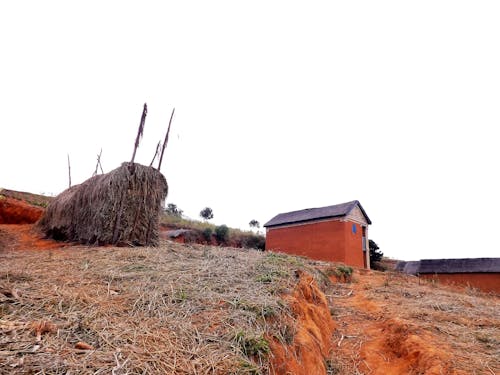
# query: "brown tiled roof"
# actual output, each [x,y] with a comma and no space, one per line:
[466,265]
[311,214]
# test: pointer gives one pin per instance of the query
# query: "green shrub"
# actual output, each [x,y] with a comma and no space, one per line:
[345,270]
[207,234]
[342,273]
[222,233]
[254,242]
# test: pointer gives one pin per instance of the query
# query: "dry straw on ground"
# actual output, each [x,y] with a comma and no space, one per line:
[462,323]
[173,309]
[119,207]
[192,309]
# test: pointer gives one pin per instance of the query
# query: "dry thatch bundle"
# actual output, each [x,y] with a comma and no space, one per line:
[120,207]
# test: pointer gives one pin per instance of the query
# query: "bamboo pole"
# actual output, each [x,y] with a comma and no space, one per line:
[98,164]
[166,139]
[140,131]
[156,153]
[69,171]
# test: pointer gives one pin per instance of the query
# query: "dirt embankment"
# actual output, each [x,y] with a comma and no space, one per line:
[16,217]
[307,349]
[14,211]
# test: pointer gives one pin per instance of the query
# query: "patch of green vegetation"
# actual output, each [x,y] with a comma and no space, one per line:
[323,277]
[345,270]
[342,273]
[248,368]
[40,204]
[207,234]
[180,296]
[179,222]
[252,345]
[264,311]
[284,259]
[223,233]
[271,276]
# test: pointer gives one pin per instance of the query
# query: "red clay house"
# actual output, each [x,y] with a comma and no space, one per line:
[481,273]
[336,233]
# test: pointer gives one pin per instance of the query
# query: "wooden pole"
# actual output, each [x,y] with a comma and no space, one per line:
[98,164]
[166,139]
[69,171]
[140,130]
[156,153]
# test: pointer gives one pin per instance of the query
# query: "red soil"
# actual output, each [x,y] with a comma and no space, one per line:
[311,344]
[14,211]
[25,236]
[400,348]
[390,346]
[16,226]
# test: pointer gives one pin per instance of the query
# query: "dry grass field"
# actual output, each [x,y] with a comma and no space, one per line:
[194,309]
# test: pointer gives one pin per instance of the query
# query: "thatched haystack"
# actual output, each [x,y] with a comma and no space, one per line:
[121,207]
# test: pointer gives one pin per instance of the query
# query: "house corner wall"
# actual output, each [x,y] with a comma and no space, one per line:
[354,255]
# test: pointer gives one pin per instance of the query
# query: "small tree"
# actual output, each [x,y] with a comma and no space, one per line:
[375,254]
[173,210]
[254,224]
[207,213]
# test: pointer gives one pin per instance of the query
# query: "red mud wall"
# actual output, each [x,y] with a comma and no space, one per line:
[328,240]
[13,211]
[487,282]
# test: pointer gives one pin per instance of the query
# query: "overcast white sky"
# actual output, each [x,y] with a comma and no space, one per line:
[280,106]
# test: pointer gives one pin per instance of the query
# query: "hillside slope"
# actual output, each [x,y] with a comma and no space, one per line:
[193,309]
[179,309]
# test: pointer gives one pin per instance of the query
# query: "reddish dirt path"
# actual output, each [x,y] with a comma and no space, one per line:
[25,237]
[377,341]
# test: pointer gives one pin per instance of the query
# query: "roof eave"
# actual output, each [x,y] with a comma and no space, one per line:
[267,225]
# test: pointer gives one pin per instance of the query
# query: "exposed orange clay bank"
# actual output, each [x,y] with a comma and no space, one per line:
[311,343]
[13,211]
